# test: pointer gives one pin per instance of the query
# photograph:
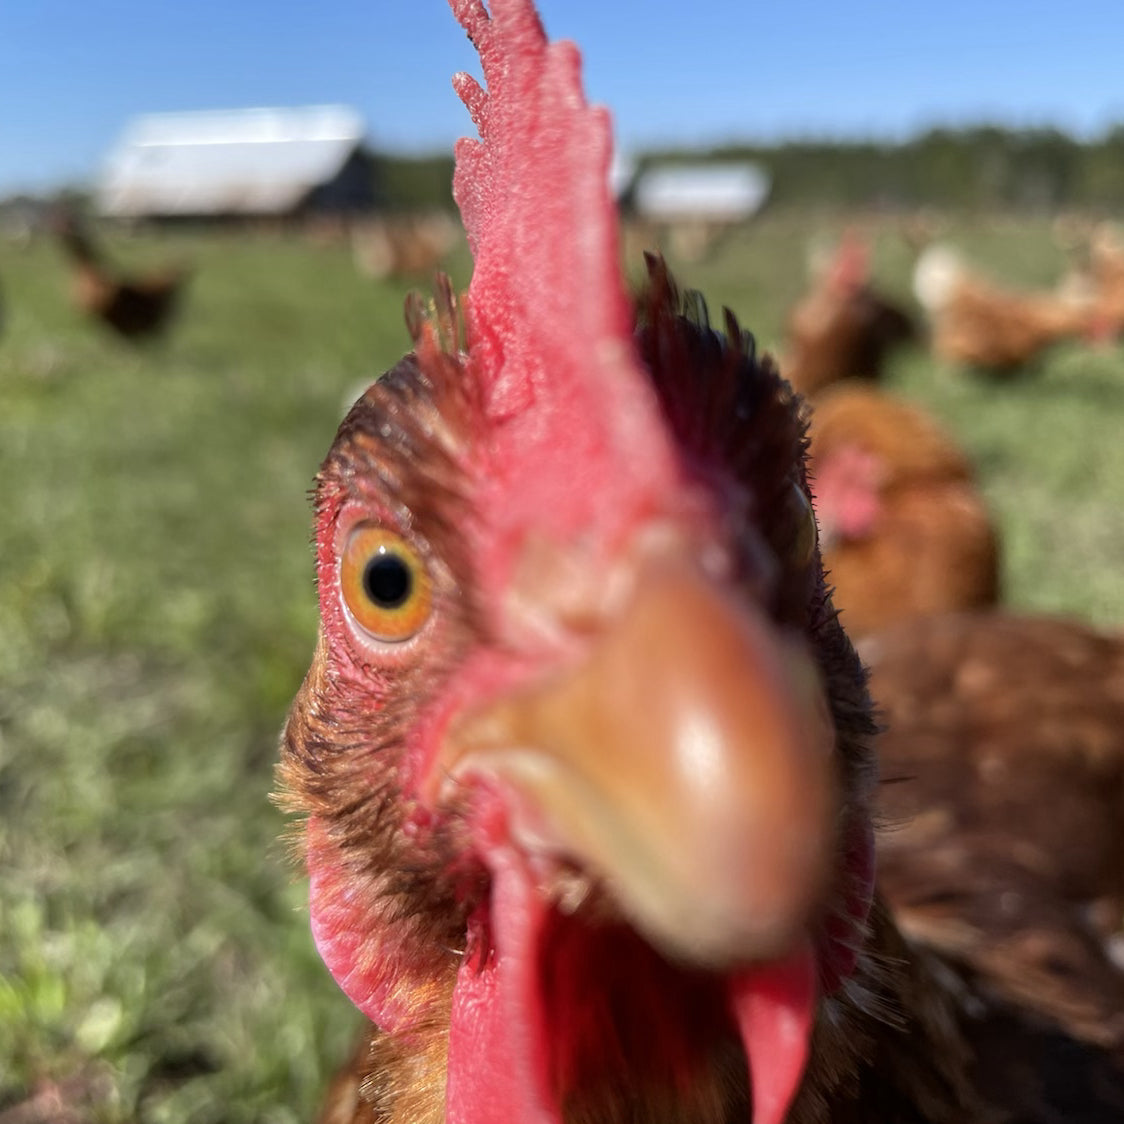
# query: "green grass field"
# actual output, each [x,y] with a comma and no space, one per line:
[157,612]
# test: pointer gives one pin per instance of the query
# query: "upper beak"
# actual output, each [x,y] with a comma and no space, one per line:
[686,763]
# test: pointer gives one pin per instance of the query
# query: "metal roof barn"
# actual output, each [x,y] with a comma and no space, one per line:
[710,192]
[247,162]
[622,173]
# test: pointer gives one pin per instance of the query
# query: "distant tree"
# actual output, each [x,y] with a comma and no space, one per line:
[421,183]
[979,167]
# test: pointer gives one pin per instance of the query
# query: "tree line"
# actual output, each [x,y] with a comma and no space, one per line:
[983,167]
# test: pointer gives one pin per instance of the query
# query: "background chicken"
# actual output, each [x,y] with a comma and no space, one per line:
[1099,281]
[516,543]
[843,328]
[1004,757]
[904,529]
[979,324]
[403,245]
[133,306]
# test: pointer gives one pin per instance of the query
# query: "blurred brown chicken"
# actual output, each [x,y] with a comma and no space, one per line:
[843,328]
[979,324]
[1003,770]
[1101,282]
[904,530]
[403,246]
[133,306]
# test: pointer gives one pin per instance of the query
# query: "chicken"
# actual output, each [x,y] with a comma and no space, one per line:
[584,755]
[1101,282]
[1005,737]
[843,328]
[904,531]
[406,246]
[133,307]
[979,324]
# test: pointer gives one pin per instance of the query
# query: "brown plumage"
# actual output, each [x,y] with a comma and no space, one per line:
[1003,758]
[843,328]
[904,529]
[133,306]
[979,324]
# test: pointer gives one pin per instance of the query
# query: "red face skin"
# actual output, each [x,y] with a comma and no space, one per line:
[608,745]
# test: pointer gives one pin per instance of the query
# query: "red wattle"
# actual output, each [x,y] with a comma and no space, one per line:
[497,1068]
[774,1007]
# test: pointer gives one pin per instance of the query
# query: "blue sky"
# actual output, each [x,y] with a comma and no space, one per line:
[72,73]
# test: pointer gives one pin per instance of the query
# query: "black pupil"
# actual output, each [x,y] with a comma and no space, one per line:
[387,581]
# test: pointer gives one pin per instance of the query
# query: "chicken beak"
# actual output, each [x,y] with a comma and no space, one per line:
[686,764]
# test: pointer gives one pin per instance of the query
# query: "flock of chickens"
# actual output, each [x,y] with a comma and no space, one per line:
[1002,742]
[585,756]
[586,753]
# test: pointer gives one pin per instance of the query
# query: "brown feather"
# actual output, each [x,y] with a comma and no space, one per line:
[1004,757]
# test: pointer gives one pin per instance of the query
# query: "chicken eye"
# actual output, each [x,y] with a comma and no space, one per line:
[385,584]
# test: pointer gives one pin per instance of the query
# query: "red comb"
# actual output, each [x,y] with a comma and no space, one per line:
[534,195]
[549,320]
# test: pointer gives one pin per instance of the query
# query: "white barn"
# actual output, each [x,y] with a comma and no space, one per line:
[711,193]
[239,163]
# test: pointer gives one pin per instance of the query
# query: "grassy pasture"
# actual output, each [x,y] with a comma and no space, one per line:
[157,613]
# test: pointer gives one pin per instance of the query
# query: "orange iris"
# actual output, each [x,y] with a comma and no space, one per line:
[384,583]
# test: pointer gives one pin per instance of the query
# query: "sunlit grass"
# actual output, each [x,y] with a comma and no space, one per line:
[157,612]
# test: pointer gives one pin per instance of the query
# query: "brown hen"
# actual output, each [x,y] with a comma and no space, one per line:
[402,245]
[904,529]
[1004,760]
[1103,283]
[133,306]
[979,324]
[843,328]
